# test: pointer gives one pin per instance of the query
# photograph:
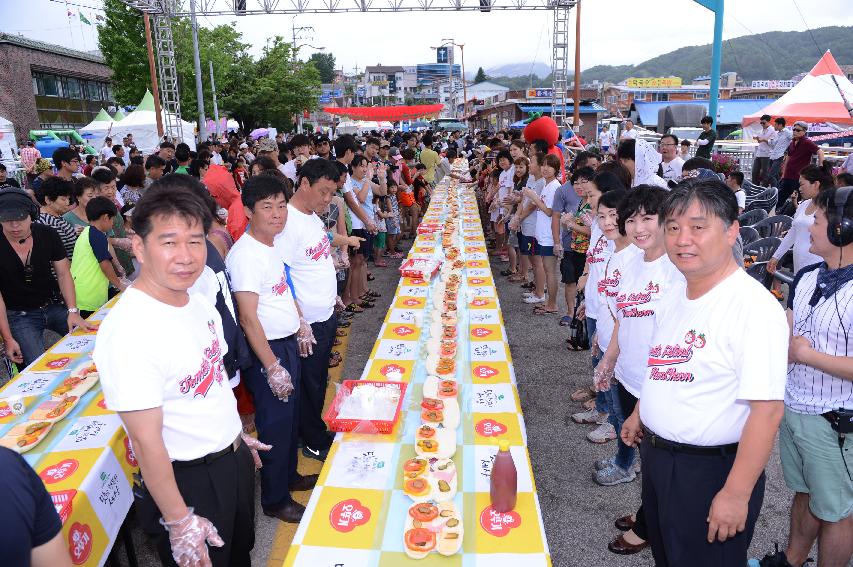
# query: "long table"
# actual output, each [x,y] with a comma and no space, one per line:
[85,461]
[356,514]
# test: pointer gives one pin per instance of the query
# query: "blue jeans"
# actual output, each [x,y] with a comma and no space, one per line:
[600,398]
[28,328]
[616,417]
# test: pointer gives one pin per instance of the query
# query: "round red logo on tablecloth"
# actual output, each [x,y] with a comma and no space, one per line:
[476,281]
[346,515]
[490,428]
[128,453]
[481,332]
[499,524]
[102,403]
[411,302]
[475,263]
[59,471]
[389,368]
[79,542]
[5,411]
[484,371]
[58,363]
[403,331]
[480,302]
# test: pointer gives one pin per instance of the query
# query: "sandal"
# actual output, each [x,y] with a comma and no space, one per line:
[370,277]
[353,308]
[337,342]
[582,395]
[565,320]
[539,310]
[340,333]
[589,404]
[516,278]
[366,304]
[333,363]
[507,272]
[371,293]
[335,357]
[344,324]
[528,285]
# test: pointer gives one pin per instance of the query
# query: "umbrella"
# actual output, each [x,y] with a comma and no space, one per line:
[259,133]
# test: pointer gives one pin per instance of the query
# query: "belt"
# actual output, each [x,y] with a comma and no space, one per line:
[702,450]
[208,459]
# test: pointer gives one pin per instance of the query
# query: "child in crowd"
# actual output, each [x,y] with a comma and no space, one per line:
[380,215]
[545,237]
[392,223]
[527,223]
[421,188]
[735,182]
[518,265]
[92,268]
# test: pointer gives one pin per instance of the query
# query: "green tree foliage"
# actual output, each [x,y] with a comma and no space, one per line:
[325,64]
[121,39]
[481,76]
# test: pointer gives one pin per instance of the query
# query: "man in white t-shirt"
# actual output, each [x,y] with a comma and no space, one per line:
[172,394]
[301,153]
[605,139]
[671,162]
[107,151]
[711,402]
[304,245]
[761,163]
[273,327]
[816,457]
[628,133]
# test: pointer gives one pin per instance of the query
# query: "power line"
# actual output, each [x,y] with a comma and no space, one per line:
[76,5]
[819,50]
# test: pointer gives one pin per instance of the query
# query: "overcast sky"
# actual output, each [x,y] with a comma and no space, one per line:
[613,31]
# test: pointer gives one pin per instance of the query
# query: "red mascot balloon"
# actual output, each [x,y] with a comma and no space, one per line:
[544,128]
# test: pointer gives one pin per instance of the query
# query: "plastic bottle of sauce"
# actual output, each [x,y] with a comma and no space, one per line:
[504,481]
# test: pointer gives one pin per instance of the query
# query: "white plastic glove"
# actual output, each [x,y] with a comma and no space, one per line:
[339,303]
[189,538]
[601,378]
[305,340]
[254,446]
[279,380]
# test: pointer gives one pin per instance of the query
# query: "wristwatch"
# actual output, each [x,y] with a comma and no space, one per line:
[73,310]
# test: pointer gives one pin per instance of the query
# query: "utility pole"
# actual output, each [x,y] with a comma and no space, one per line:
[202,130]
[215,107]
[152,71]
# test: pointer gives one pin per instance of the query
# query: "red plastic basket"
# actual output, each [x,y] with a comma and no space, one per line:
[416,268]
[428,227]
[345,425]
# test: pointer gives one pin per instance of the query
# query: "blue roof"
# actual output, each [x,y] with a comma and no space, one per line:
[570,108]
[731,111]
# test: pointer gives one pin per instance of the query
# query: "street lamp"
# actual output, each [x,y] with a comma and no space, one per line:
[461,46]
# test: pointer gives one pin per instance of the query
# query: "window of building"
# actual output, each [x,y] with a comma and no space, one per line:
[623,96]
[72,87]
[700,96]
[660,97]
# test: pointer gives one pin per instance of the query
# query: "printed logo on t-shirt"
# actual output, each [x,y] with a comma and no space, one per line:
[628,302]
[319,250]
[593,253]
[612,281]
[210,369]
[671,355]
[281,287]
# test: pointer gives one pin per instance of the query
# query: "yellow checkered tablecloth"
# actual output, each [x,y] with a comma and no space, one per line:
[356,514]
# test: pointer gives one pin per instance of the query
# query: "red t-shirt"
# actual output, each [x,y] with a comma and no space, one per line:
[800,154]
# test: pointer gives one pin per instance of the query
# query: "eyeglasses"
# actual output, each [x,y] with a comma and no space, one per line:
[667,145]
[797,129]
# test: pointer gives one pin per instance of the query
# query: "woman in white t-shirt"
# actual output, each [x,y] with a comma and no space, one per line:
[813,179]
[545,236]
[524,221]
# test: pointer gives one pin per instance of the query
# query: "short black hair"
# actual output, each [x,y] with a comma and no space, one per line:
[844,179]
[643,199]
[696,163]
[587,173]
[64,155]
[606,181]
[712,195]
[765,117]
[168,197]
[737,176]
[89,158]
[673,136]
[315,169]
[627,149]
[167,145]
[134,175]
[825,201]
[115,159]
[343,143]
[780,120]
[103,176]
[53,188]
[618,170]
[685,143]
[541,146]
[372,141]
[262,187]
[408,153]
[300,140]
[182,154]
[613,199]
[504,154]
[196,166]
[100,206]
[706,120]
[427,139]
[81,184]
[154,161]
[2,166]
[264,162]
[117,148]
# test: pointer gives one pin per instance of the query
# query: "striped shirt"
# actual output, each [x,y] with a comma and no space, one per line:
[828,325]
[62,227]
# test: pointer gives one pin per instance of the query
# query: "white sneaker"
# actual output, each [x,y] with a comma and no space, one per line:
[602,419]
[589,416]
[534,299]
[602,434]
[602,464]
[614,475]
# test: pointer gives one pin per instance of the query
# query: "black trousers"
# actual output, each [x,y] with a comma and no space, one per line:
[787,188]
[760,168]
[677,492]
[223,492]
[315,378]
[628,402]
[276,422]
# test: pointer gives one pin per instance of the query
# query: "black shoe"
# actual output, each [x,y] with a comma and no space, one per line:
[319,455]
[304,482]
[778,559]
[290,513]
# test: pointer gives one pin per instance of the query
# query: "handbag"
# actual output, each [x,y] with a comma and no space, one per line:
[578,338]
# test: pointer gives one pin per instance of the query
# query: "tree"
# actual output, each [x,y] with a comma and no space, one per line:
[481,76]
[121,39]
[325,64]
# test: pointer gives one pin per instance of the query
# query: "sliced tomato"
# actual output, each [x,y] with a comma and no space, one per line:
[420,539]
[432,404]
[428,445]
[426,432]
[414,465]
[416,487]
[448,389]
[425,512]
[432,415]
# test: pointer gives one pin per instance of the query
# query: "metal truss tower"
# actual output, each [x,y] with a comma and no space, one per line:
[167,72]
[560,61]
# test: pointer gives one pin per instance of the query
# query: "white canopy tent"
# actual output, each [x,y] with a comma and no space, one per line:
[98,129]
[8,144]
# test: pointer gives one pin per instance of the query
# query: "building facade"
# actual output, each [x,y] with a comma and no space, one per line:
[47,86]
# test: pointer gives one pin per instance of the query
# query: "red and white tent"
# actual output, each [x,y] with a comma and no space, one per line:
[819,97]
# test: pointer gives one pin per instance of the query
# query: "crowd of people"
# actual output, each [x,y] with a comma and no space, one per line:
[243,261]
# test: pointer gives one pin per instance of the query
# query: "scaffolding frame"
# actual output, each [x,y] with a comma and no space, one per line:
[167,72]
